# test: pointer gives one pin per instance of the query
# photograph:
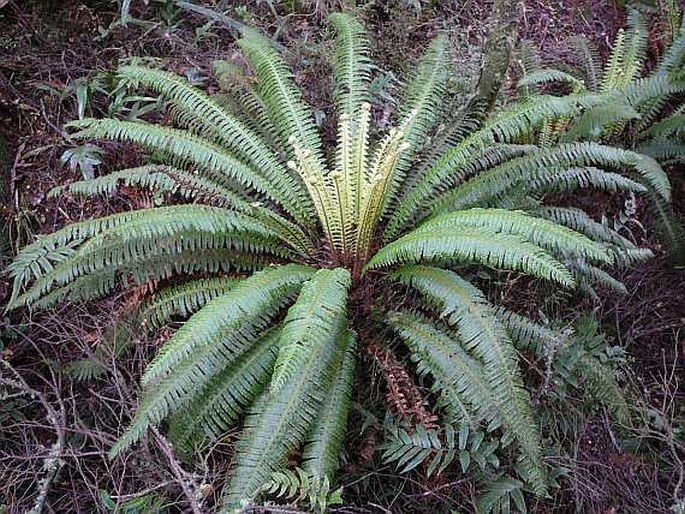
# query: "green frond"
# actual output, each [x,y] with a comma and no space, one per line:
[216,123]
[546,234]
[282,420]
[182,301]
[465,307]
[587,177]
[599,381]
[593,124]
[664,152]
[579,221]
[191,187]
[186,149]
[242,100]
[316,318]
[139,236]
[597,276]
[526,333]
[588,58]
[506,127]
[299,486]
[218,404]
[263,292]
[649,96]
[156,177]
[479,245]
[159,267]
[282,99]
[674,57]
[325,441]
[500,495]
[549,76]
[212,339]
[457,375]
[421,108]
[547,162]
[672,126]
[351,64]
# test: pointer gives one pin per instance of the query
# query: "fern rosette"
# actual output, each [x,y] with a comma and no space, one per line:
[280,238]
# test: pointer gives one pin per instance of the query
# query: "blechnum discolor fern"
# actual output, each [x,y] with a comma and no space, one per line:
[641,112]
[281,240]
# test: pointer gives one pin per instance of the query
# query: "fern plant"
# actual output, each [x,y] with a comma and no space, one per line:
[286,255]
[643,112]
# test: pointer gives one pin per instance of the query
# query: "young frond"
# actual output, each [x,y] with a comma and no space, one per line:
[627,55]
[351,64]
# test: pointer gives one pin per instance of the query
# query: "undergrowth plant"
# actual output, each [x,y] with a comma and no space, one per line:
[641,111]
[287,257]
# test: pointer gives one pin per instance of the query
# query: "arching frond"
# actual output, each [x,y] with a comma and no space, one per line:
[579,221]
[593,124]
[457,375]
[466,308]
[324,443]
[548,161]
[526,333]
[143,235]
[181,301]
[218,124]
[184,148]
[190,186]
[282,420]
[546,76]
[505,127]
[546,234]
[316,318]
[472,245]
[219,403]
[212,339]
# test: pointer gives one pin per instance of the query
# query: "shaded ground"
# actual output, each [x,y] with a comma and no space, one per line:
[46,47]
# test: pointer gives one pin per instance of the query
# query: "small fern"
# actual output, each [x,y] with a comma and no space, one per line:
[643,113]
[276,254]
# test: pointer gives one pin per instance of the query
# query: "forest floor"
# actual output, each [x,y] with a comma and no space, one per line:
[50,52]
